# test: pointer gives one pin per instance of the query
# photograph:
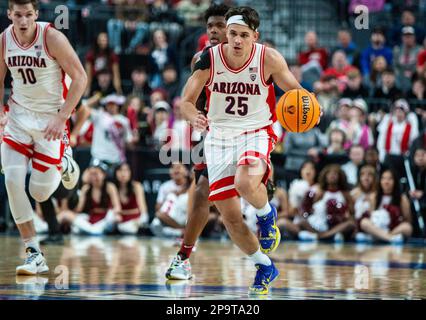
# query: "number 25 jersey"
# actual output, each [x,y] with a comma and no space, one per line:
[239,99]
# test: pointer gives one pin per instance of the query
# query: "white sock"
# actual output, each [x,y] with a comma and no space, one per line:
[260,258]
[264,211]
[32,243]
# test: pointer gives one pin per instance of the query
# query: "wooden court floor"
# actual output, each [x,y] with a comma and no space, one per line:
[133,268]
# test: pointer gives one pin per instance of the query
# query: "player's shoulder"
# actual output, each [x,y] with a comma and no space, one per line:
[203,62]
[198,54]
[52,33]
[55,39]
[272,55]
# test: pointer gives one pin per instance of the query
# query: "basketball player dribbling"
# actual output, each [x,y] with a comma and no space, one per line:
[33,122]
[237,77]
[198,213]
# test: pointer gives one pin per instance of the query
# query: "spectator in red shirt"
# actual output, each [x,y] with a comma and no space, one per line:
[313,52]
[340,68]
[99,58]
[312,61]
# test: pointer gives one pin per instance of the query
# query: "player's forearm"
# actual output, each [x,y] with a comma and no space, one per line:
[189,111]
[76,90]
[289,82]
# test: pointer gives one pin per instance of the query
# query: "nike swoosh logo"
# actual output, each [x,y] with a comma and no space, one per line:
[220,72]
[38,264]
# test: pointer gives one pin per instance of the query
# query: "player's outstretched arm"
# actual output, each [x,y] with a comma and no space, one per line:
[60,49]
[191,92]
[276,66]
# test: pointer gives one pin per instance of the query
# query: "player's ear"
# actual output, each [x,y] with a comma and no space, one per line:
[36,14]
[256,36]
[9,14]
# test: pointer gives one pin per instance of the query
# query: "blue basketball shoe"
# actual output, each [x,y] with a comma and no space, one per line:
[269,234]
[265,275]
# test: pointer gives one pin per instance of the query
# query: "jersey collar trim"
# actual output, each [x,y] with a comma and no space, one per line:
[222,57]
[31,44]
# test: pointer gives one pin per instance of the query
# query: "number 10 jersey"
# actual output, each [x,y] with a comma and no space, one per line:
[38,80]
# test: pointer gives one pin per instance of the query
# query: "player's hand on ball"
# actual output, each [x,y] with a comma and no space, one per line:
[200,122]
[321,110]
[55,128]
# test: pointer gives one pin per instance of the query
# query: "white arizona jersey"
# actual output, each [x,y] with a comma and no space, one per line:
[239,99]
[38,80]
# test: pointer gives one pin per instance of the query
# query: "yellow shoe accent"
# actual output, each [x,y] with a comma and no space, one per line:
[276,243]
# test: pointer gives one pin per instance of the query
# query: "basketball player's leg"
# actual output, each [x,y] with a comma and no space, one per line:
[240,234]
[230,210]
[252,172]
[43,184]
[198,216]
[46,162]
[15,166]
[49,214]
[248,182]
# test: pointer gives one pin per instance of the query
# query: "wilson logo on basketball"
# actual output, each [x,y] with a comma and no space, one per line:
[305,109]
[290,109]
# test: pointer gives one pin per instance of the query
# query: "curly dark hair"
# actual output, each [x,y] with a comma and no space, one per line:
[216,10]
[250,16]
[342,183]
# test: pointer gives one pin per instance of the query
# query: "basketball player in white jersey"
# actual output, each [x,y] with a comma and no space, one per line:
[33,122]
[237,76]
[198,213]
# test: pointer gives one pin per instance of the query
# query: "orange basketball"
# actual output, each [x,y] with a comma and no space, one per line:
[298,110]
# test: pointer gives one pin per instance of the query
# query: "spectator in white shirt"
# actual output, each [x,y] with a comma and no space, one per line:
[396,131]
[111,133]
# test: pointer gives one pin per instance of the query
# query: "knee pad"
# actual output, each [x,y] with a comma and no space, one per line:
[19,203]
[43,184]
